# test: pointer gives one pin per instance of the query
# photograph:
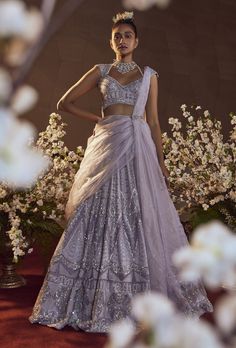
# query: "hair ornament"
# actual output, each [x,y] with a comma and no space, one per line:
[123,16]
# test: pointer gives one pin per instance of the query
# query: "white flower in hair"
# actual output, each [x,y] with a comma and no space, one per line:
[123,16]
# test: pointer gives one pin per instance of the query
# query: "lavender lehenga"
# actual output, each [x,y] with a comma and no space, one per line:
[123,227]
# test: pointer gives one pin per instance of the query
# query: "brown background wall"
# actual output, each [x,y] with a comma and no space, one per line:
[192,45]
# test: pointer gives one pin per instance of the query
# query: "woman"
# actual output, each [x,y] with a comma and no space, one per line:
[123,227]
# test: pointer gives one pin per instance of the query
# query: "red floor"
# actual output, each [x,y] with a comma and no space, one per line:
[16,306]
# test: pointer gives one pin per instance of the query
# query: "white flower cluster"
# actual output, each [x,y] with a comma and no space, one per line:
[211,256]
[19,30]
[21,27]
[142,5]
[20,164]
[49,195]
[202,166]
[158,324]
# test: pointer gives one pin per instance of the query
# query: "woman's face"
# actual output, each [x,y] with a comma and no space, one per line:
[123,39]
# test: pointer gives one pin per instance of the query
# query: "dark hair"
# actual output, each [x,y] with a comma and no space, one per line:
[128,21]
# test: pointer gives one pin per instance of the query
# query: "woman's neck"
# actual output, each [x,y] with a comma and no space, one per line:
[125,59]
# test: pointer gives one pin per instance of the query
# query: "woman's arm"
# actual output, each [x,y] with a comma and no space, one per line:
[85,84]
[153,122]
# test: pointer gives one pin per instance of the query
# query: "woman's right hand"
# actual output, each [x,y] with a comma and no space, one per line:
[98,119]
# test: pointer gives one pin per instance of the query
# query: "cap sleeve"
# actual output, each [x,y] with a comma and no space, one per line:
[153,72]
[103,68]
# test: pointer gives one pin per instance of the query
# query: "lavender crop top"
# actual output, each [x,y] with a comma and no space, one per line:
[113,92]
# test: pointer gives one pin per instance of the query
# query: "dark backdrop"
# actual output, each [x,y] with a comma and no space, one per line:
[192,45]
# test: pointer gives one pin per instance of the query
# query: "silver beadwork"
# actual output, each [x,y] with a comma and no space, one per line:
[137,117]
[113,92]
[124,67]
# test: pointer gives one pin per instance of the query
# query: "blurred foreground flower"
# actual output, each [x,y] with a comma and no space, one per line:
[159,325]
[24,99]
[149,308]
[211,256]
[121,333]
[20,165]
[16,20]
[145,4]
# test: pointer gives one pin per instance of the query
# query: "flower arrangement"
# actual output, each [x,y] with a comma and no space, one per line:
[35,214]
[202,167]
[155,321]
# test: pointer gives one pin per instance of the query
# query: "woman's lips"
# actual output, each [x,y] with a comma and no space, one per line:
[122,47]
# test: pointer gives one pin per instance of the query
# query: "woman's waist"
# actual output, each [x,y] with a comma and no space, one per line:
[118,109]
[113,117]
[121,116]
[118,115]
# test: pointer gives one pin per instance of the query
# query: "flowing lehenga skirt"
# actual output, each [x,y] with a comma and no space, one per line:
[120,238]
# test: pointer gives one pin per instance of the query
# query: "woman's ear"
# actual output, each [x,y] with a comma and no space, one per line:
[137,42]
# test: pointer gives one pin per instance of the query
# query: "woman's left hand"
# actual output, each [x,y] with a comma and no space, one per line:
[166,174]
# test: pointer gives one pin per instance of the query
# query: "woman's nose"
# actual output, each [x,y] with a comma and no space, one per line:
[122,38]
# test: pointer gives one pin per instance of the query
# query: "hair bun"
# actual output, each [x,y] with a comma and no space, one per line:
[123,16]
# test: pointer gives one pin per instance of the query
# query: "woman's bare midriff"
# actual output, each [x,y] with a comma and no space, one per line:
[119,109]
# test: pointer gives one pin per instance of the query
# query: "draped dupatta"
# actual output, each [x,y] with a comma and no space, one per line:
[108,149]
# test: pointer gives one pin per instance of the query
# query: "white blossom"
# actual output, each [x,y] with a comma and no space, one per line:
[121,333]
[195,334]
[190,119]
[206,113]
[15,155]
[40,202]
[12,17]
[142,5]
[24,99]
[211,256]
[149,307]
[16,20]
[33,25]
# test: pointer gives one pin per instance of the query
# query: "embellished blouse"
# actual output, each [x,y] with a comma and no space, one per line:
[113,92]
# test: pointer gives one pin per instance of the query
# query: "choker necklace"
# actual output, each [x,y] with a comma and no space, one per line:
[123,67]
